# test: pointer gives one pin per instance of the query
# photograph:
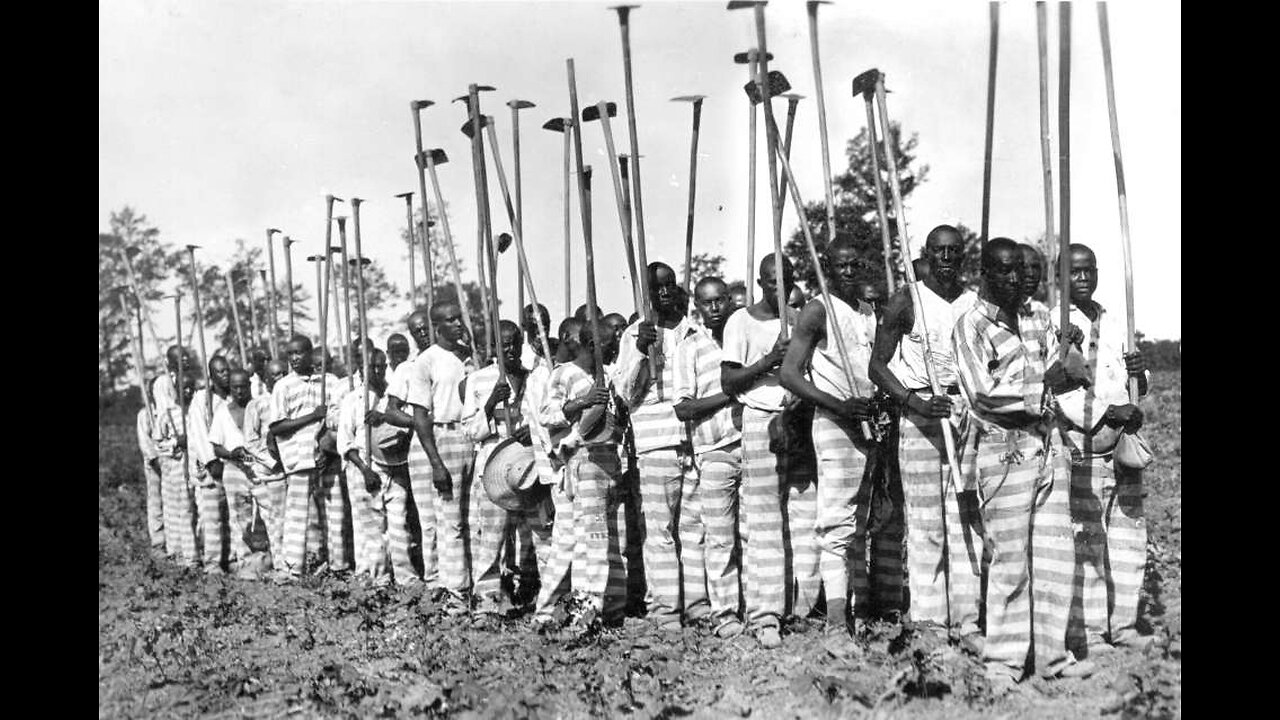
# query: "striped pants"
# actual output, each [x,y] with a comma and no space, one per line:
[944,541]
[444,519]
[155,506]
[712,497]
[239,509]
[395,501]
[1023,485]
[179,511]
[295,534]
[596,514]
[368,521]
[843,517]
[211,521]
[1111,550]
[333,501]
[661,488]
[800,542]
[505,543]
[760,512]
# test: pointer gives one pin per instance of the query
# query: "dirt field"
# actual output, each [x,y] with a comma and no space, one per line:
[174,642]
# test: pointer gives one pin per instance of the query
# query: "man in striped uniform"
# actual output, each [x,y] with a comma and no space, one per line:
[297,418]
[589,500]
[710,514]
[753,350]
[418,492]
[151,472]
[534,535]
[211,497]
[944,543]
[440,462]
[493,529]
[178,490]
[226,435]
[1006,364]
[267,484]
[662,450]
[370,470]
[1106,498]
[815,371]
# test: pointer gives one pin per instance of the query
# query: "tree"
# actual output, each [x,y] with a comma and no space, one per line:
[131,259]
[704,265]
[245,262]
[855,210]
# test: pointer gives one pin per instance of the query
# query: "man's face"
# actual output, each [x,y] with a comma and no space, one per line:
[768,283]
[664,292]
[738,299]
[220,373]
[275,371]
[449,325]
[378,368]
[420,330]
[299,354]
[258,361]
[842,271]
[240,392]
[608,347]
[713,304]
[318,360]
[1003,276]
[944,253]
[616,324]
[1084,276]
[512,345]
[399,353]
[1032,272]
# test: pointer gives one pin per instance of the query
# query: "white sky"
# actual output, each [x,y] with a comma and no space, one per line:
[218,119]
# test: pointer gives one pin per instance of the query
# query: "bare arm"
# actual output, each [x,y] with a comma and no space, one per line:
[395,414]
[290,426]
[698,408]
[810,328]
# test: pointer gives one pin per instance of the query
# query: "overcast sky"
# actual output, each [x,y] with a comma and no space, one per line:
[218,119]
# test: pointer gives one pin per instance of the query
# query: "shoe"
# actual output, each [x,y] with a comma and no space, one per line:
[730,628]
[1132,641]
[1079,669]
[839,644]
[769,637]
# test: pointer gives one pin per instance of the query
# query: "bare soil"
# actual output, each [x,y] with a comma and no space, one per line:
[175,642]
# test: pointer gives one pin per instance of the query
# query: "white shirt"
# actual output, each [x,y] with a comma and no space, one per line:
[858,330]
[746,340]
[939,317]
[1083,408]
[654,421]
[436,384]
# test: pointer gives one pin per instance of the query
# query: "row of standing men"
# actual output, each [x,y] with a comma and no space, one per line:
[719,470]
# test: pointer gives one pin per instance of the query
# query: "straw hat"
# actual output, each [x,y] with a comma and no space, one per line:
[509,476]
